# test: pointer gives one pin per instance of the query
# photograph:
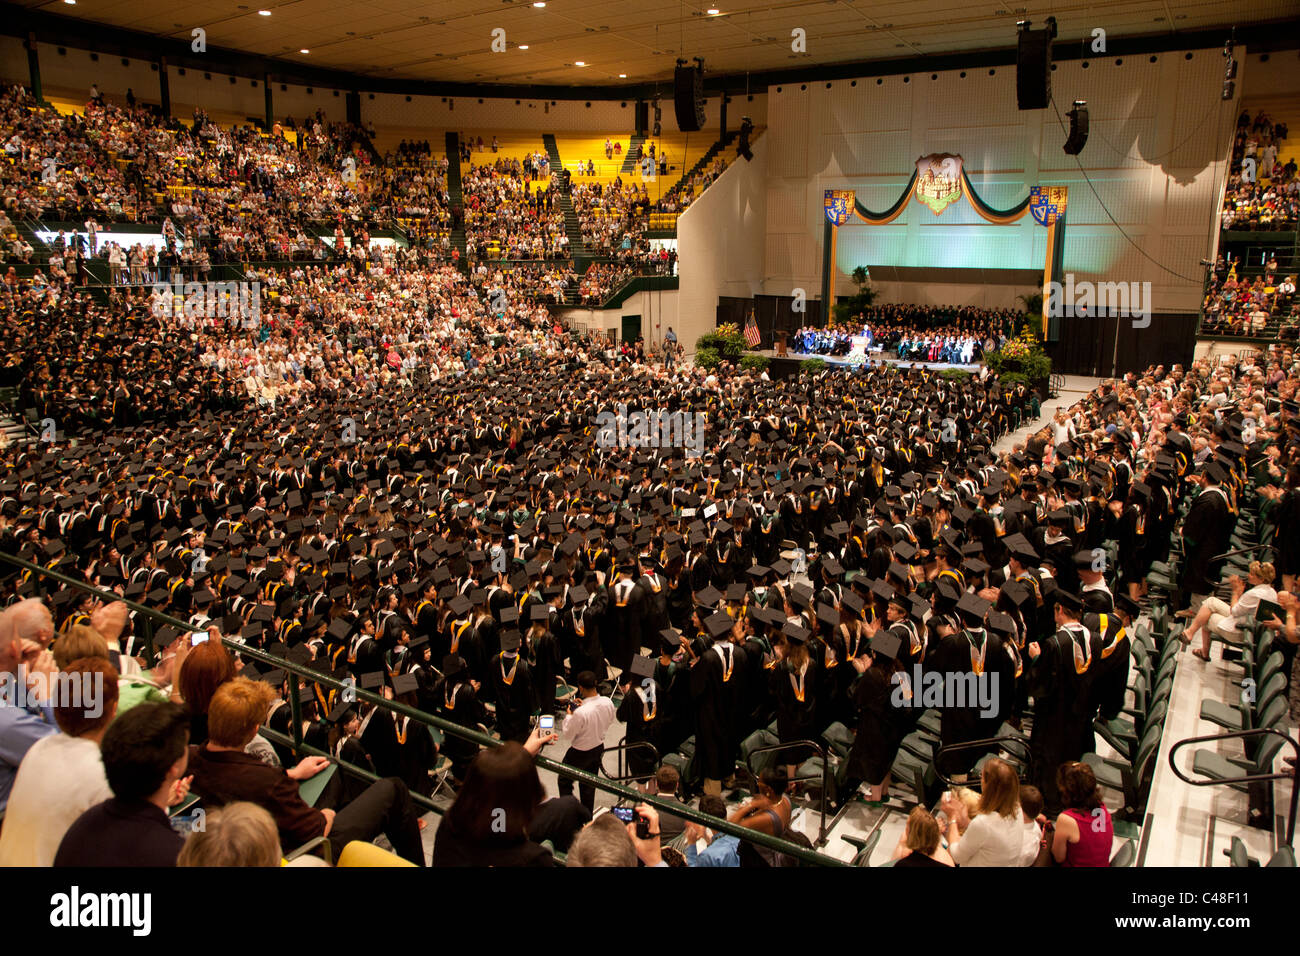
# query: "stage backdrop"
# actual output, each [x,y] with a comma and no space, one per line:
[1158,138]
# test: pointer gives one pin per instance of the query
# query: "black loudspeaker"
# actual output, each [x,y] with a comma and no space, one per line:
[1034,69]
[688,95]
[642,117]
[1078,128]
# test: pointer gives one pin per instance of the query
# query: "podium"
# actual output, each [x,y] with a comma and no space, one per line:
[780,344]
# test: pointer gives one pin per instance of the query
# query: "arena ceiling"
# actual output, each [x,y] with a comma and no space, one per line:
[635,41]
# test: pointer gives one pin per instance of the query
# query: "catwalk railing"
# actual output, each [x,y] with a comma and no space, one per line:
[149,617]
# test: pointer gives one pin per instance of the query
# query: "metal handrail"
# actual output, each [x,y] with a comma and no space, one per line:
[447,727]
[621,749]
[826,770]
[1244,778]
[1001,741]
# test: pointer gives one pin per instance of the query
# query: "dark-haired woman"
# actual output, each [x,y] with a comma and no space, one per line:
[1084,832]
[499,817]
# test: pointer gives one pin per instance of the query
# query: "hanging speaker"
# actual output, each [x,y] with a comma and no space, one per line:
[1078,128]
[1034,69]
[688,96]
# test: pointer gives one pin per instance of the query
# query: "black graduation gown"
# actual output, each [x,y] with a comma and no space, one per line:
[351,751]
[622,638]
[795,719]
[546,669]
[416,754]
[515,700]
[1206,532]
[643,726]
[715,748]
[463,708]
[1060,712]
[677,709]
[379,737]
[1111,678]
[876,741]
[964,720]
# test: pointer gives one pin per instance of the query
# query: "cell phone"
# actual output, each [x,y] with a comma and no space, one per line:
[198,637]
[546,724]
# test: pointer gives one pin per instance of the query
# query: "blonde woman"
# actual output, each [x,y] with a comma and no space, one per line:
[1217,616]
[994,835]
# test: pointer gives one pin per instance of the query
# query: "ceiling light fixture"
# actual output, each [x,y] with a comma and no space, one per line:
[539,4]
[523,46]
[263,13]
[713,11]
[622,76]
[71,3]
[304,50]
[579,63]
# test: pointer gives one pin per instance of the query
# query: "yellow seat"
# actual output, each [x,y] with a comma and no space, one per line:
[358,853]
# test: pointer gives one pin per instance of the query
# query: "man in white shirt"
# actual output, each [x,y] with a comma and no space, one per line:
[62,775]
[588,720]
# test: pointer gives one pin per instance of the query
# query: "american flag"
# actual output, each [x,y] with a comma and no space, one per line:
[752,335]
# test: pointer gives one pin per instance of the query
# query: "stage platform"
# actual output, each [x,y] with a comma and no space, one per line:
[873,359]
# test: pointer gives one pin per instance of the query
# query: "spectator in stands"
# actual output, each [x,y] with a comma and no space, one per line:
[919,844]
[238,834]
[994,836]
[1083,833]
[602,842]
[206,668]
[722,849]
[145,755]
[666,781]
[224,772]
[500,816]
[62,775]
[25,667]
[1218,617]
[1031,813]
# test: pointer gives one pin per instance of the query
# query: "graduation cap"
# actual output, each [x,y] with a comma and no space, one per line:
[796,632]
[1126,604]
[1084,560]
[709,597]
[452,665]
[371,680]
[905,550]
[736,591]
[540,612]
[972,608]
[671,637]
[642,666]
[853,602]
[510,640]
[1215,472]
[509,614]
[1068,600]
[826,613]
[342,712]
[405,684]
[886,644]
[1021,549]
[1001,623]
[718,623]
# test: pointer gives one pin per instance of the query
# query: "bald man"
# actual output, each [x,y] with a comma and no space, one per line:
[26,629]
